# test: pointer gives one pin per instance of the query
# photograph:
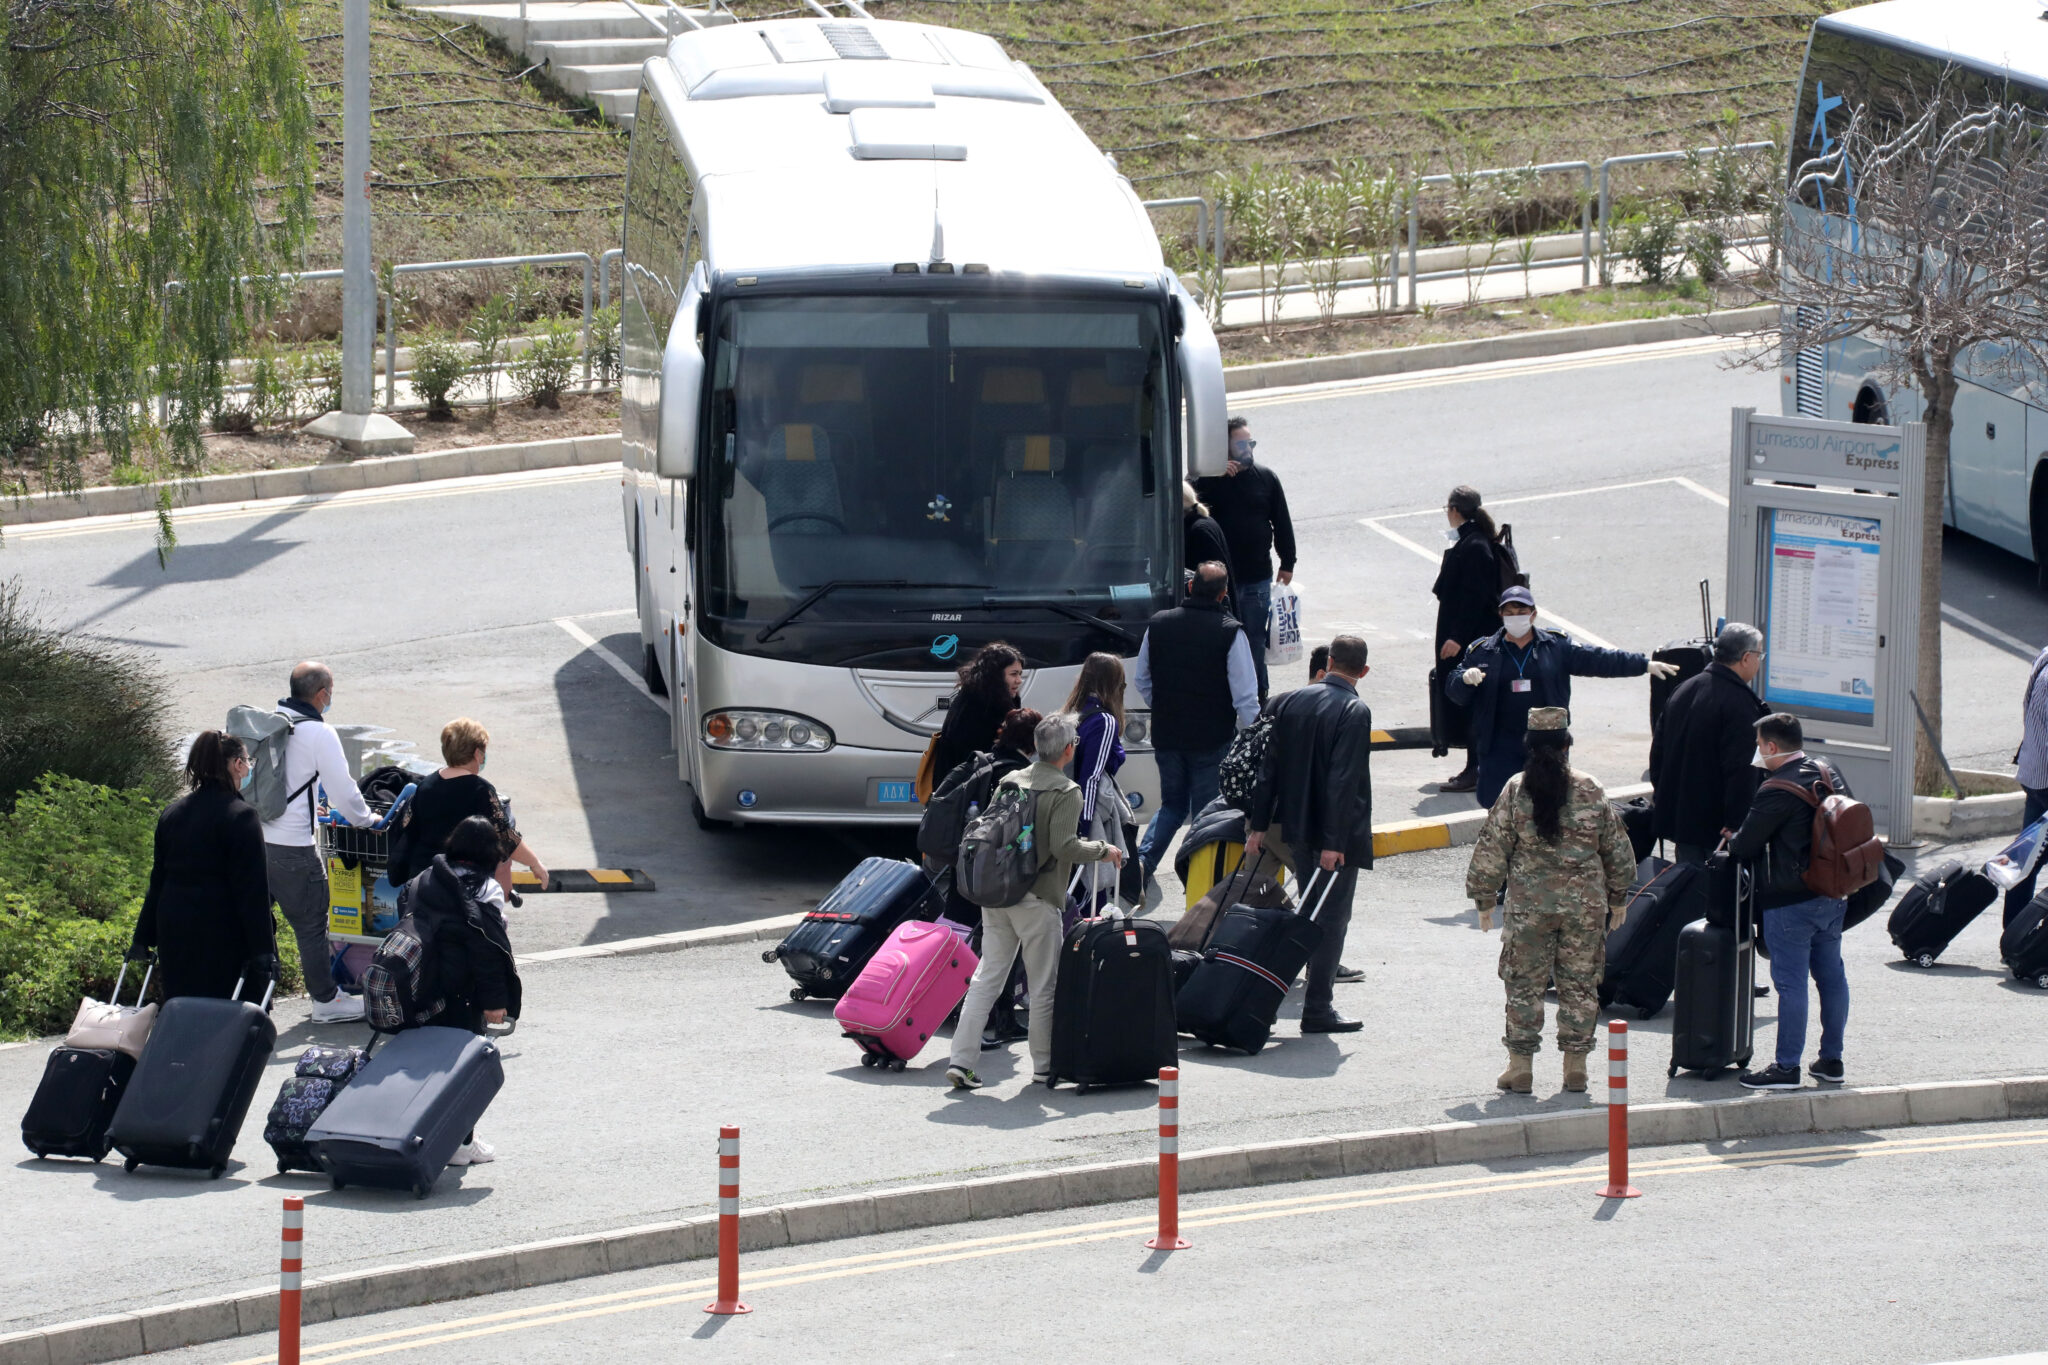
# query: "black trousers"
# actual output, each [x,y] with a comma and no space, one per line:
[1330,904]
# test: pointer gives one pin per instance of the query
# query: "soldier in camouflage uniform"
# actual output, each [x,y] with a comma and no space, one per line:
[1564,892]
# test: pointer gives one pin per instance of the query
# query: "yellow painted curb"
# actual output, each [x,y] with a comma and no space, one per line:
[1409,836]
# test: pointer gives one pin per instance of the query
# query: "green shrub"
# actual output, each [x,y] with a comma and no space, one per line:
[605,343]
[438,365]
[318,375]
[1649,240]
[547,366]
[76,707]
[489,329]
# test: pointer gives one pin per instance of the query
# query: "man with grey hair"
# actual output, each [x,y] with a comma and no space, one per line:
[1032,925]
[1700,755]
[313,763]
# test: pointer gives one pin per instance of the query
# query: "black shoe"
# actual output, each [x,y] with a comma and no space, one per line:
[1772,1077]
[1332,1022]
[1826,1071]
[1760,991]
[1345,973]
[1463,782]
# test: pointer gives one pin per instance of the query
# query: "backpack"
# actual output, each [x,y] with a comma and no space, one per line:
[399,985]
[1243,770]
[1507,561]
[1846,855]
[945,816]
[267,734]
[1000,856]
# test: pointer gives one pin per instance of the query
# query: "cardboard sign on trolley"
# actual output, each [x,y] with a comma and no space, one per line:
[1824,524]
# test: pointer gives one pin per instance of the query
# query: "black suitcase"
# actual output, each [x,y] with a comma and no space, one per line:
[1234,996]
[2024,945]
[826,952]
[1642,955]
[1638,817]
[1692,658]
[1936,908]
[303,1098]
[191,1090]
[75,1102]
[1713,1022]
[1112,1012]
[396,1124]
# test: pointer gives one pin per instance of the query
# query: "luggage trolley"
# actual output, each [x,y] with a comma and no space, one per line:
[362,904]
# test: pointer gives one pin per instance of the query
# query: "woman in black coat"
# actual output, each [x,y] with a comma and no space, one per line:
[1200,537]
[207,911]
[989,683]
[446,798]
[1467,611]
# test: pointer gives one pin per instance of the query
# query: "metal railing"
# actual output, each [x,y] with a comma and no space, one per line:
[1641,159]
[1547,168]
[581,258]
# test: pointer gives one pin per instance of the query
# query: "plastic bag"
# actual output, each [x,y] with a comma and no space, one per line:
[1283,626]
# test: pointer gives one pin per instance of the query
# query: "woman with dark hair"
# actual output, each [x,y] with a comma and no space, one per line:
[1564,856]
[207,911]
[1467,602]
[1097,705]
[988,687]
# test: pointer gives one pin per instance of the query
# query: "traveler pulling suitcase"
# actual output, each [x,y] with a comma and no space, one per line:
[191,1090]
[826,952]
[1936,908]
[1713,1023]
[2024,945]
[1234,996]
[1112,1014]
[396,1123]
[303,1098]
[1642,955]
[904,994]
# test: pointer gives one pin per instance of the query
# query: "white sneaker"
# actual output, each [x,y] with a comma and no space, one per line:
[342,1009]
[474,1153]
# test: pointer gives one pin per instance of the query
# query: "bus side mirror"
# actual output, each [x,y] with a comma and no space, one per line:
[682,380]
[1201,380]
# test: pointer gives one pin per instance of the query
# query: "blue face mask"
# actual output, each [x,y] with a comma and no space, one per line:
[248,777]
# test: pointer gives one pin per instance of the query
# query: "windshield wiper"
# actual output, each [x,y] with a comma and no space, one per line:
[825,590]
[1064,609]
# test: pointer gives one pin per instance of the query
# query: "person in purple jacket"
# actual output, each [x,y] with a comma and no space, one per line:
[1097,705]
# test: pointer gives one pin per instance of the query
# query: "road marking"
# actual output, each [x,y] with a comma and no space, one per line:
[912,1258]
[1718,499]
[618,665]
[1577,632]
[1568,493]
[1425,379]
[2012,642]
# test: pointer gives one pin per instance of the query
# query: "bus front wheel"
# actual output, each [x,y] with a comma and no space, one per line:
[703,819]
[650,671]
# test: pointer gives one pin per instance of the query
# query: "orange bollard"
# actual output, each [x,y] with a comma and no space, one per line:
[1617,1186]
[728,1300]
[288,1281]
[1168,1237]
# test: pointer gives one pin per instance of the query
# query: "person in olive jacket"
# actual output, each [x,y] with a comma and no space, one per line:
[1700,754]
[207,911]
[1467,605]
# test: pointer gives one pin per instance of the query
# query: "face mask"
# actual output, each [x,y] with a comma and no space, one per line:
[1756,760]
[1518,626]
[328,705]
[1450,535]
[481,761]
[248,776]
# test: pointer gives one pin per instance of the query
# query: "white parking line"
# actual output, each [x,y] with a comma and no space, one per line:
[1433,557]
[1568,493]
[1494,369]
[618,665]
[2014,642]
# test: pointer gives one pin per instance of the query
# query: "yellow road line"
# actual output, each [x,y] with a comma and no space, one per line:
[1081,1234]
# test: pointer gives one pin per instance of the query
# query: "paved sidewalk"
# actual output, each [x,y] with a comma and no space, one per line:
[625,1066]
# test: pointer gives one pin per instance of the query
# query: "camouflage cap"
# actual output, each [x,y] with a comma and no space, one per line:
[1549,718]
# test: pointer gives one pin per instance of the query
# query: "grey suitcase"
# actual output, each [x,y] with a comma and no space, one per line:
[395,1124]
[191,1089]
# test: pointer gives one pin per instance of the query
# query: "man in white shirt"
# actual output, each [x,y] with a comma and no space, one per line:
[313,762]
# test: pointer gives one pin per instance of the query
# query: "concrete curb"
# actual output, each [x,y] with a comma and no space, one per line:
[820,1220]
[1274,374]
[314,480]
[1454,831]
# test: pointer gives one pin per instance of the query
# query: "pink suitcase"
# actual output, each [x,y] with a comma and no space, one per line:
[904,994]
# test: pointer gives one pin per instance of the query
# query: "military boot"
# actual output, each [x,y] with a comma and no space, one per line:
[1575,1071]
[1520,1076]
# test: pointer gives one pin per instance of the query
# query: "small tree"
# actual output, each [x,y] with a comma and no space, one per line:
[1926,236]
[490,329]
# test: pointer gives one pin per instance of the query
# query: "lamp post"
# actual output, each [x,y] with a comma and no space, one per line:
[359,430]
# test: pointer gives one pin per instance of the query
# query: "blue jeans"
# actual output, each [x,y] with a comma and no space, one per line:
[1806,937]
[1187,782]
[1254,609]
[2017,898]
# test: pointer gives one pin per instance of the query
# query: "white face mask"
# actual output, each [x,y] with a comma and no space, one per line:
[1756,760]
[1518,626]
[1450,535]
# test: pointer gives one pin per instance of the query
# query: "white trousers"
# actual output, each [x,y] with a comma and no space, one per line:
[1033,928]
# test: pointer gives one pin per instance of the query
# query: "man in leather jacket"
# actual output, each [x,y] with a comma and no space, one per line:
[1314,811]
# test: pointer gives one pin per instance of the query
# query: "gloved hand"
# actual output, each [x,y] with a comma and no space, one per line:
[1615,915]
[1659,669]
[1484,905]
[1474,676]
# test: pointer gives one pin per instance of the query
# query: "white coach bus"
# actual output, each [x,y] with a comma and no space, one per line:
[905,372]
[1885,58]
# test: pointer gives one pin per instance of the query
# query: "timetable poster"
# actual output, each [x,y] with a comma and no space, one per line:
[1821,633]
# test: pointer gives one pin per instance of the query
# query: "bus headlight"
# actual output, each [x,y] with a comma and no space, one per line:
[1138,729]
[765,732]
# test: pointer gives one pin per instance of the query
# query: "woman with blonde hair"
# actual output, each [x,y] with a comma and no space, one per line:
[446,798]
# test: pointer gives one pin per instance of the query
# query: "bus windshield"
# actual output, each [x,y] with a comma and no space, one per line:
[962,453]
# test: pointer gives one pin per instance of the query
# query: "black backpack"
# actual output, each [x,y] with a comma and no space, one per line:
[971,783]
[1243,769]
[1507,561]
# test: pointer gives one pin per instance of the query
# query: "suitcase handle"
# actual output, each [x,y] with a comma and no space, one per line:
[269,989]
[142,993]
[1329,883]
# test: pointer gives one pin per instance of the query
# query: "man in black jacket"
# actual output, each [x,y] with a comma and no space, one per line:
[1194,669]
[1802,931]
[1251,507]
[1314,810]
[1699,757]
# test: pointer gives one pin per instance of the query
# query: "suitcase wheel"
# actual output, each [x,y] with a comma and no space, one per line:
[1924,960]
[420,1191]
[771,955]
[1645,1012]
[868,1059]
[40,1153]
[1671,1071]
[1080,1087]
[897,1064]
[797,993]
[216,1173]
[130,1164]
[2042,981]
[338,1183]
[284,1167]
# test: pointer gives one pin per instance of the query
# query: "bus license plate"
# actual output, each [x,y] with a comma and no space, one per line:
[895,793]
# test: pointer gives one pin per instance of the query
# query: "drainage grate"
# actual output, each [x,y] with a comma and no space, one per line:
[856,42]
[1810,372]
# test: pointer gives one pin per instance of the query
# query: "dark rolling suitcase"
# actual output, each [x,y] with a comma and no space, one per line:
[1642,955]
[1691,657]
[1638,817]
[191,1090]
[825,953]
[1936,908]
[2024,945]
[1713,1022]
[1253,957]
[1112,1014]
[319,1076]
[396,1124]
[75,1102]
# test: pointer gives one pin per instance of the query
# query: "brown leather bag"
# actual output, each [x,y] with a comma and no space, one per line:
[1246,885]
[927,771]
[1846,855]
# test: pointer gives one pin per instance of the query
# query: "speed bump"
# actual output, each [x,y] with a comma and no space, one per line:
[583,879]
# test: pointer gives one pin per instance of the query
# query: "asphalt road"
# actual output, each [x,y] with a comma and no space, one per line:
[474,598]
[1780,1248]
